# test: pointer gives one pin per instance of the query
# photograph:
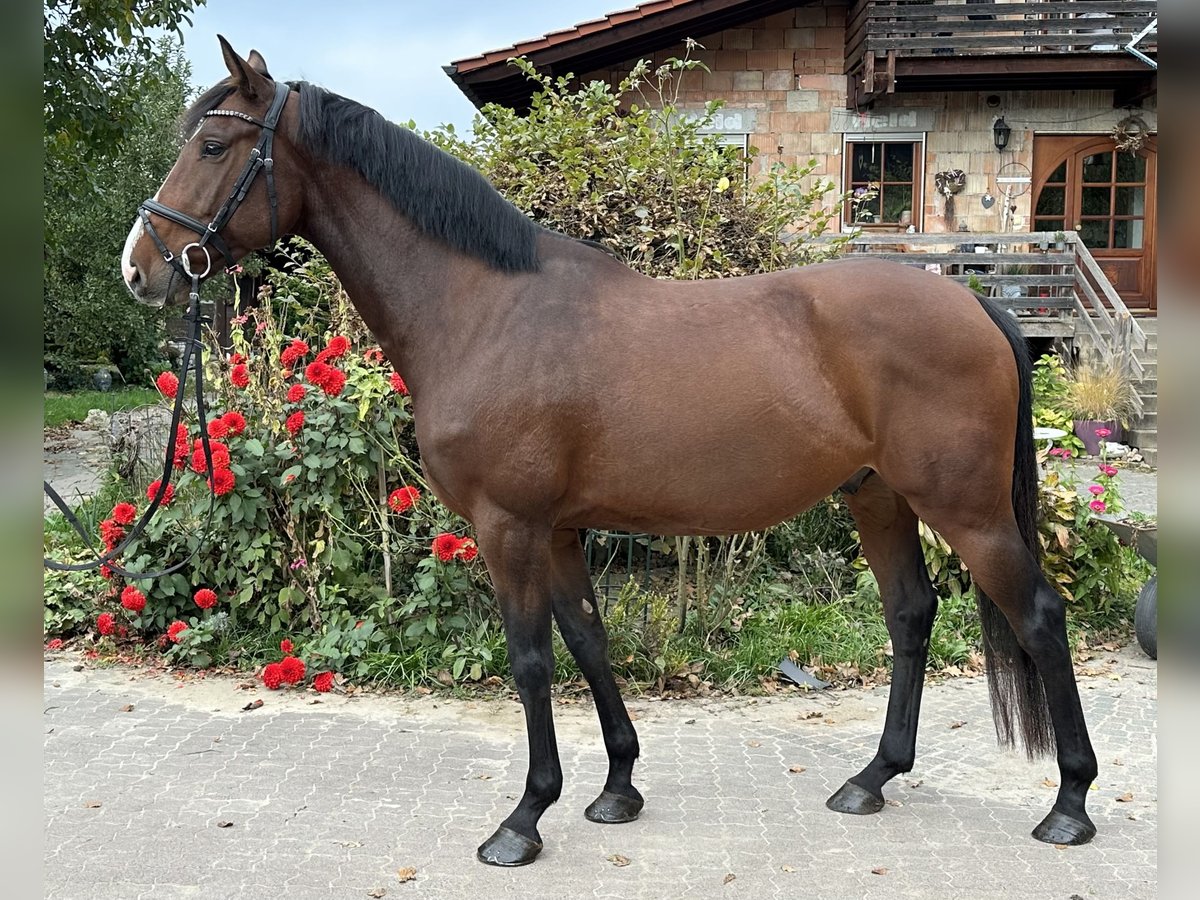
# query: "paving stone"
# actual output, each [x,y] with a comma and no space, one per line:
[330,800]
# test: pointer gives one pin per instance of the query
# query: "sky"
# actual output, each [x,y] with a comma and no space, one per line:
[387,55]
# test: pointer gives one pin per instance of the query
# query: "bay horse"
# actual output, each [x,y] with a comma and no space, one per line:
[558,390]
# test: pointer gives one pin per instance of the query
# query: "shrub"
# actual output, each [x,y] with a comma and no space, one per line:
[309,443]
[626,168]
[1050,386]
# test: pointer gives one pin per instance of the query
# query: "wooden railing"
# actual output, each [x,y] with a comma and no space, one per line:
[944,27]
[1049,279]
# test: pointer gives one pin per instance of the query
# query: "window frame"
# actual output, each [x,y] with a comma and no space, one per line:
[917,140]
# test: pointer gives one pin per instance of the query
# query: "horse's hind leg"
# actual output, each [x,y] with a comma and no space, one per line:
[888,530]
[518,560]
[1005,570]
[583,631]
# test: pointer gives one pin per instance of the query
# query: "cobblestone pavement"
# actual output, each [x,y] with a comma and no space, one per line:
[161,788]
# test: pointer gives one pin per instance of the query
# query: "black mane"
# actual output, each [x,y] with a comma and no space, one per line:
[441,195]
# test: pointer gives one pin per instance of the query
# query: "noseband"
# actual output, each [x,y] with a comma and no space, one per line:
[260,158]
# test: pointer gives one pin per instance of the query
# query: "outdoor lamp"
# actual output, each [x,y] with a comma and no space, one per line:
[1000,133]
[102,378]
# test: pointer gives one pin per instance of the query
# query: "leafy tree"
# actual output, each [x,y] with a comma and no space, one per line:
[88,314]
[92,56]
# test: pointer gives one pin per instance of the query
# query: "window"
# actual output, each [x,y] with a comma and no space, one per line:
[892,169]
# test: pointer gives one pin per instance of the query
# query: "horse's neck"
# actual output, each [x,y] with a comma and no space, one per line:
[405,284]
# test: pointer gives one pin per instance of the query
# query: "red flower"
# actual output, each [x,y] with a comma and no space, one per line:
[327,378]
[296,393]
[220,456]
[56,644]
[205,598]
[111,533]
[181,446]
[398,384]
[334,382]
[168,494]
[105,624]
[402,499]
[222,482]
[316,372]
[447,547]
[124,513]
[373,355]
[217,429]
[272,676]
[295,421]
[174,630]
[286,647]
[323,682]
[337,347]
[240,376]
[168,385]
[444,546]
[292,669]
[234,421]
[133,599]
[296,350]
[236,359]
[106,571]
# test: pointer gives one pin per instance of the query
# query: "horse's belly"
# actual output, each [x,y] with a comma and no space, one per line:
[709,487]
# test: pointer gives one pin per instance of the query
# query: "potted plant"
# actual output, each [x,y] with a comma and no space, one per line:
[1100,399]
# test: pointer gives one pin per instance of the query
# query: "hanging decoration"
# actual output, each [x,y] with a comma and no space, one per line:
[1130,133]
[948,184]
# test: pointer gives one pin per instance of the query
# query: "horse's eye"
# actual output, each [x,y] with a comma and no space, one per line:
[212,148]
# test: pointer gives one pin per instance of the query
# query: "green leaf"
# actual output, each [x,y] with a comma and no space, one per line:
[254,447]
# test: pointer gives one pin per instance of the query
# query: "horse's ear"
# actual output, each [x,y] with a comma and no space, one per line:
[257,63]
[249,81]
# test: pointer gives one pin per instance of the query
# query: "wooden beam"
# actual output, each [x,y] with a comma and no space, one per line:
[939,9]
[891,72]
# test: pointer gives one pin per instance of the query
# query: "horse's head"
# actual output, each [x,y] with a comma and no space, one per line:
[231,191]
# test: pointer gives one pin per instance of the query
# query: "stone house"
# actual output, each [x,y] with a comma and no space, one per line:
[965,115]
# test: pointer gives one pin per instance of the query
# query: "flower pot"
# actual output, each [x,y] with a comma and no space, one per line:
[1085,430]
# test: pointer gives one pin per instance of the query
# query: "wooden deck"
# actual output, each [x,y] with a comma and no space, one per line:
[899,44]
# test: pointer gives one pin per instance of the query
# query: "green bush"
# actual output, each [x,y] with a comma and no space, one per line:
[625,168]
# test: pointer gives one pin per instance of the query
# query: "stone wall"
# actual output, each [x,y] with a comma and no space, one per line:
[782,81]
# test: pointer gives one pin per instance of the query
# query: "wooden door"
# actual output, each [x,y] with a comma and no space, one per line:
[1082,183]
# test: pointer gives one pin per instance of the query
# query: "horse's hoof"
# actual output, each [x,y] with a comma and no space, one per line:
[612,809]
[508,848]
[855,800]
[1059,828]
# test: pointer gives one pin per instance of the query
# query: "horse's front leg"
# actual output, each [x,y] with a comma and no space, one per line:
[518,560]
[579,621]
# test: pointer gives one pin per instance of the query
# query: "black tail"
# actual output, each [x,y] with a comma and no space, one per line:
[1018,695]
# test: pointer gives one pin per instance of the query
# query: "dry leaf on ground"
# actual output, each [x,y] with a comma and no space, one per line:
[408,873]
[618,860]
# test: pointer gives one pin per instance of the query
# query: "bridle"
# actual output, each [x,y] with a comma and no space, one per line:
[260,159]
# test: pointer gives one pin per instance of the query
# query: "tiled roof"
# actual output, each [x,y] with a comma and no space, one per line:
[565,35]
